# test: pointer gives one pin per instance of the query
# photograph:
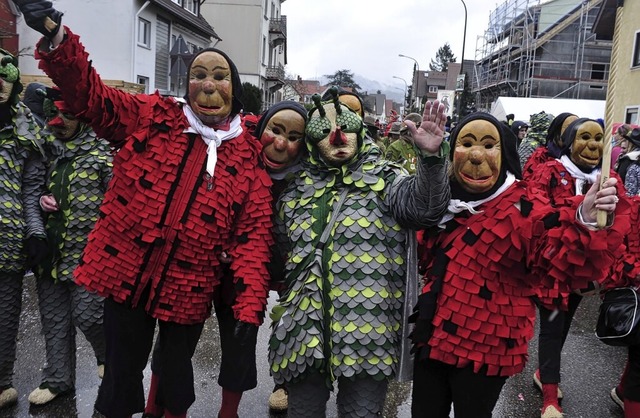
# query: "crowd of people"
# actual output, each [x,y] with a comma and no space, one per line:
[421,254]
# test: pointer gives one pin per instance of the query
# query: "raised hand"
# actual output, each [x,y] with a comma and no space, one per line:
[428,136]
[41,16]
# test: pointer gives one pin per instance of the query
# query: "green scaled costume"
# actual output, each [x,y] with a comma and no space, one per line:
[21,169]
[21,172]
[79,173]
[342,311]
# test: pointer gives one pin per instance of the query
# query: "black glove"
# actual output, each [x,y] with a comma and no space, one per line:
[245,333]
[36,250]
[41,16]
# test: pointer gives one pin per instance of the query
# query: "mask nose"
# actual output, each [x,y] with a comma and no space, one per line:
[338,138]
[56,122]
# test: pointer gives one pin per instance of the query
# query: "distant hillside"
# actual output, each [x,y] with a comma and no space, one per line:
[393,92]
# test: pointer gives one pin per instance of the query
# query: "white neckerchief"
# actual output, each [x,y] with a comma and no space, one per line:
[457,205]
[212,137]
[580,176]
[633,155]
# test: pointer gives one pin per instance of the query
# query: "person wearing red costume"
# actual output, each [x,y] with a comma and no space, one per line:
[187,184]
[480,266]
[561,179]
[553,144]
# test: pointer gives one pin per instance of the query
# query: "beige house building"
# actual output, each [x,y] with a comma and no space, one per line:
[254,34]
[619,20]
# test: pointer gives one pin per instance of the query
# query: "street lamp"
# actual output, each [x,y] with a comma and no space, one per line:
[464,38]
[416,78]
[404,98]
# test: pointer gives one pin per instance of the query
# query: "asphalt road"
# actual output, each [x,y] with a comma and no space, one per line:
[590,370]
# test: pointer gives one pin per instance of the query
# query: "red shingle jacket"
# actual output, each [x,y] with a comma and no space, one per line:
[490,265]
[164,221]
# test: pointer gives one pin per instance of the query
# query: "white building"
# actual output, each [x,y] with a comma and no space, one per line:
[254,34]
[131,40]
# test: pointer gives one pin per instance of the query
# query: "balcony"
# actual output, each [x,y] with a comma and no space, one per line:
[278,31]
[275,77]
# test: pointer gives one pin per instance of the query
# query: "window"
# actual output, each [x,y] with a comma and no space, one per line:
[192,6]
[264,47]
[177,2]
[597,71]
[144,33]
[631,115]
[636,51]
[163,30]
[145,82]
[433,89]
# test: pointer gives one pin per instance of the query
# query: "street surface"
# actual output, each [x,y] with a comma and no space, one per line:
[590,370]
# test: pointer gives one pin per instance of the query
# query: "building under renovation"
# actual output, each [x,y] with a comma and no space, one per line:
[542,48]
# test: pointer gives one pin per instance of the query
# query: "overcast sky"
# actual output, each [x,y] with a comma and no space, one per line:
[366,36]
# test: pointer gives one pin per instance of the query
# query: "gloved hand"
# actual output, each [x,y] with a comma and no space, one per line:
[41,16]
[36,250]
[245,333]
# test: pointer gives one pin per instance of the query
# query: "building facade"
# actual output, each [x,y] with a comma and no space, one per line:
[137,41]
[254,34]
[536,48]
[618,20]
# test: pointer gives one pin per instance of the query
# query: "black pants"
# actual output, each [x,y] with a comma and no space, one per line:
[129,336]
[553,333]
[631,382]
[238,372]
[437,385]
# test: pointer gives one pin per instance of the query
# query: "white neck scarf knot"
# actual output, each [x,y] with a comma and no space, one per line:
[212,137]
[580,176]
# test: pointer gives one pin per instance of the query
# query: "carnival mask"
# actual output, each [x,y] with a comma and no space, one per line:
[565,125]
[210,87]
[588,145]
[9,75]
[334,130]
[282,139]
[477,156]
[352,103]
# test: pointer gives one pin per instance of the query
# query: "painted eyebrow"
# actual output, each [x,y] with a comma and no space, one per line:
[481,139]
[205,68]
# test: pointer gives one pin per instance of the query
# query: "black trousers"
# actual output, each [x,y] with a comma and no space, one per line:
[238,371]
[129,336]
[554,329]
[437,385]
[631,382]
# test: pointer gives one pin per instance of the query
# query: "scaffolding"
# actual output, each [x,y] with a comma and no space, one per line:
[541,48]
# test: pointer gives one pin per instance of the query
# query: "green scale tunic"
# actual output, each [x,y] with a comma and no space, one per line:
[78,177]
[20,151]
[342,311]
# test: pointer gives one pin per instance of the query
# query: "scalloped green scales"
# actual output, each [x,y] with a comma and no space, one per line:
[359,297]
[16,147]
[81,168]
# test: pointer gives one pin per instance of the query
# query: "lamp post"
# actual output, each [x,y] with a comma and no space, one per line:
[464,38]
[416,78]
[404,98]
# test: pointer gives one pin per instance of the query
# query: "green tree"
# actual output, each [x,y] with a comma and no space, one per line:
[343,78]
[252,98]
[443,57]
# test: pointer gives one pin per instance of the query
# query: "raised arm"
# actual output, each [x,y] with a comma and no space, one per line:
[419,201]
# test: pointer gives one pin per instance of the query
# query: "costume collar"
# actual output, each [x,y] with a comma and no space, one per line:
[212,137]
[580,176]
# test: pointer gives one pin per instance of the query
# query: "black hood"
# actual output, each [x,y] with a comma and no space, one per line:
[262,122]
[508,149]
[554,132]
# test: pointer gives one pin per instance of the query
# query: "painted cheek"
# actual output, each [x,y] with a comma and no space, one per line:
[293,150]
[266,140]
